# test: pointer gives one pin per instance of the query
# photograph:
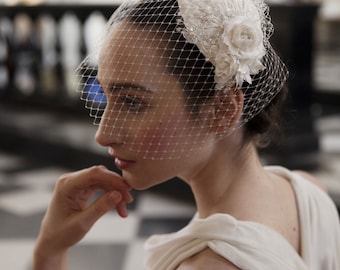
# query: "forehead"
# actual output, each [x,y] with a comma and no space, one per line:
[130,54]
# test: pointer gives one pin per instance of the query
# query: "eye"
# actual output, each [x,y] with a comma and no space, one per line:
[132,103]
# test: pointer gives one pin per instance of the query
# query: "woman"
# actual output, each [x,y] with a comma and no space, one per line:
[191,88]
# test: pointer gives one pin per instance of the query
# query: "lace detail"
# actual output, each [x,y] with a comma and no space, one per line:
[231,34]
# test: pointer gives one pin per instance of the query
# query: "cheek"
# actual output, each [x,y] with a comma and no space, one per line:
[162,139]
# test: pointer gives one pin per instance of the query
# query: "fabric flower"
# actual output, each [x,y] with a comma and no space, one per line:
[244,37]
[229,34]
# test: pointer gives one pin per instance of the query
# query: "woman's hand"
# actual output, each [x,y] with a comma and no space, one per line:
[70,216]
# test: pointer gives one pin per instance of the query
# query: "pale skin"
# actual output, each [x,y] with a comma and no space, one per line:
[225,176]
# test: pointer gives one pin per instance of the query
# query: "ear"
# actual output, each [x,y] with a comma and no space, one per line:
[228,109]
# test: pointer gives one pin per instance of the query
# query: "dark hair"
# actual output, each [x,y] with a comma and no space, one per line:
[186,59]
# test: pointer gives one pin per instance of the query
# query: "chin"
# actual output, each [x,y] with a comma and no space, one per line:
[141,182]
[136,183]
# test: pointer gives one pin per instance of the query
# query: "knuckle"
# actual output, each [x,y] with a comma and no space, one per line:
[95,170]
[63,179]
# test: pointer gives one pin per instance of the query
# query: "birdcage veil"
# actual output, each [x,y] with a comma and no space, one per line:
[161,65]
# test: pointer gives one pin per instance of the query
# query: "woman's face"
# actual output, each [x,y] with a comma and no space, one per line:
[146,125]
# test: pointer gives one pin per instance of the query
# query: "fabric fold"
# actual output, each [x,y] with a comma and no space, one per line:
[254,246]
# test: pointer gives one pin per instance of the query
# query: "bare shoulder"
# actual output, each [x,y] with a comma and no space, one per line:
[312,179]
[206,259]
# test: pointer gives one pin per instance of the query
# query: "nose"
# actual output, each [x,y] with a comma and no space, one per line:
[102,137]
[107,133]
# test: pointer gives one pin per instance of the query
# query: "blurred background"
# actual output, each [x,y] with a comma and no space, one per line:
[45,131]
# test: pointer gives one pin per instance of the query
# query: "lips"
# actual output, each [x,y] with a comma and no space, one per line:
[123,164]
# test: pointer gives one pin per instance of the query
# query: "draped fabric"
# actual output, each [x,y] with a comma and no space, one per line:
[253,246]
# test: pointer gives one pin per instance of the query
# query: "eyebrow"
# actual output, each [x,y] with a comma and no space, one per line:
[121,86]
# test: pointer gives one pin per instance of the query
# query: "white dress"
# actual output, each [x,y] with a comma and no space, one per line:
[253,246]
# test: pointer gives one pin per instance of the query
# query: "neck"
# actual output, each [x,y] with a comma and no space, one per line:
[225,174]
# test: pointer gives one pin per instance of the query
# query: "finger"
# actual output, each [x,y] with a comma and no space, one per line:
[97,177]
[109,181]
[121,209]
[101,177]
[109,172]
[101,206]
[127,197]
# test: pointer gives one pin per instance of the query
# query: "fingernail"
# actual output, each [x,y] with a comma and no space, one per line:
[130,199]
